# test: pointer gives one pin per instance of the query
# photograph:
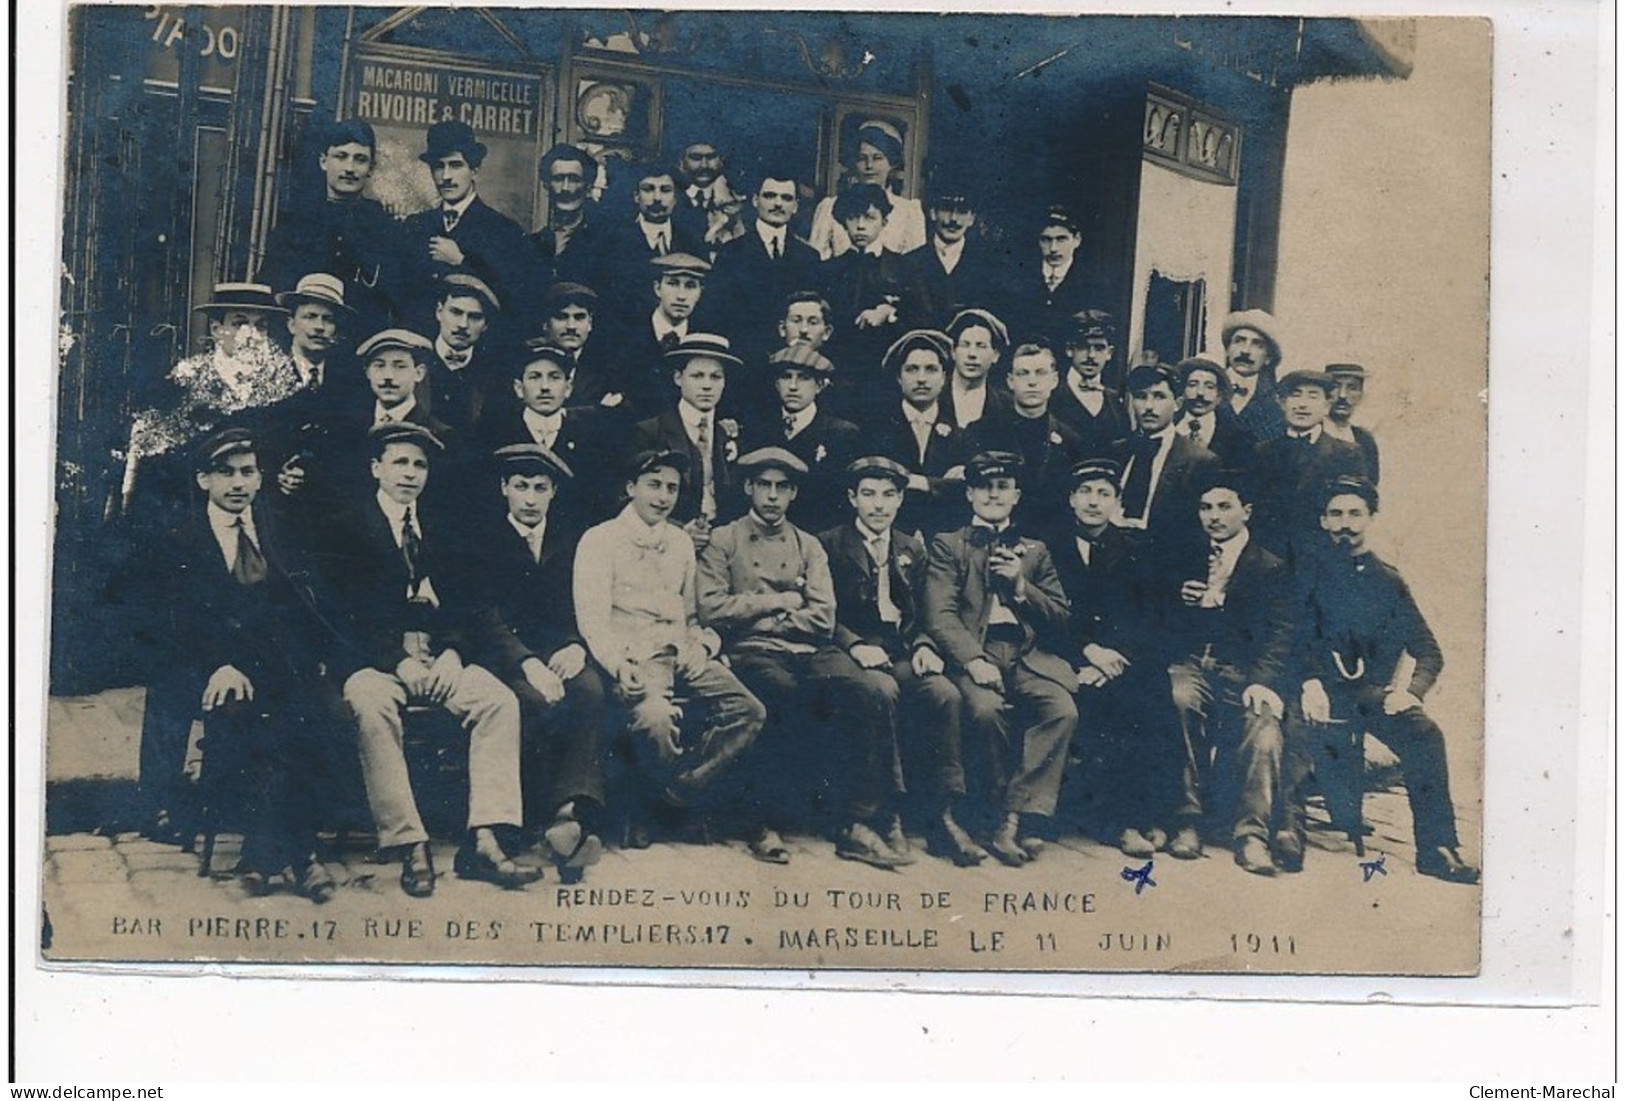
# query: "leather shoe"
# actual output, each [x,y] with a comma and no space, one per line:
[572,848]
[1005,845]
[315,882]
[472,863]
[417,871]
[864,845]
[1287,849]
[1136,844]
[768,847]
[1252,855]
[1445,863]
[1186,845]
[948,838]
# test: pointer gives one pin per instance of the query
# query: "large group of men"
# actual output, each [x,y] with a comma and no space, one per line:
[702,530]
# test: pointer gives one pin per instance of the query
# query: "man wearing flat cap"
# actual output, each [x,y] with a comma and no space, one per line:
[800,424]
[635,588]
[1128,777]
[996,611]
[879,578]
[919,433]
[462,375]
[1086,399]
[538,410]
[1161,468]
[405,617]
[1346,398]
[1292,467]
[570,314]
[1206,416]
[1252,356]
[678,281]
[232,638]
[980,340]
[522,568]
[461,233]
[1356,620]
[765,587]
[698,367]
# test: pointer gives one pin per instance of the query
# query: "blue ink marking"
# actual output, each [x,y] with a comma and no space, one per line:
[1140,877]
[1373,867]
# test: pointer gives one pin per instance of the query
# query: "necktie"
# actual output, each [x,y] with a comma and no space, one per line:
[1137,486]
[670,341]
[1052,278]
[708,492]
[789,426]
[412,551]
[661,247]
[773,247]
[1086,549]
[922,434]
[889,612]
[1193,429]
[249,566]
[534,539]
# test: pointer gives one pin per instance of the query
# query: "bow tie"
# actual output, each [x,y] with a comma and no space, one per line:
[1240,391]
[654,540]
[452,218]
[454,358]
[1092,386]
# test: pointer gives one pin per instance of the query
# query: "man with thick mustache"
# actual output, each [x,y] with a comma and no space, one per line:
[954,270]
[1252,353]
[1356,619]
[566,248]
[1346,398]
[755,272]
[649,235]
[1207,418]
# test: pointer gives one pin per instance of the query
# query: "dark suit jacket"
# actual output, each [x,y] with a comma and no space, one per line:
[525,608]
[580,262]
[1173,501]
[492,245]
[857,590]
[1032,309]
[941,507]
[1231,444]
[854,282]
[976,281]
[625,278]
[826,445]
[1262,417]
[458,398]
[1251,632]
[356,240]
[958,597]
[1050,449]
[364,589]
[645,375]
[589,440]
[666,431]
[1113,598]
[1097,432]
[745,293]
[1291,476]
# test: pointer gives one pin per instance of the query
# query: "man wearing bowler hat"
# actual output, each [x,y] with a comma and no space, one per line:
[405,617]
[522,567]
[698,366]
[461,232]
[765,587]
[996,611]
[879,578]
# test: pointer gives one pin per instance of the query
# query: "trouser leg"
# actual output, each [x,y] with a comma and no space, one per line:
[733,721]
[928,722]
[773,783]
[1257,762]
[1419,744]
[375,699]
[166,723]
[562,743]
[859,707]
[986,725]
[1193,699]
[1052,718]
[490,714]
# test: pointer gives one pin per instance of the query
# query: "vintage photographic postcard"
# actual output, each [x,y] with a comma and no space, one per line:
[770,490]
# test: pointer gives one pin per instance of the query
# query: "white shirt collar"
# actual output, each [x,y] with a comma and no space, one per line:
[531,535]
[770,234]
[692,418]
[1058,272]
[395,513]
[875,249]
[224,525]
[462,207]
[397,414]
[543,425]
[444,350]
[307,370]
[1231,548]
[662,326]
[926,417]
[948,254]
[800,420]
[1313,434]
[655,231]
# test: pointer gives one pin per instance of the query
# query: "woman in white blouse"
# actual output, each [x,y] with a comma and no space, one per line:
[879,161]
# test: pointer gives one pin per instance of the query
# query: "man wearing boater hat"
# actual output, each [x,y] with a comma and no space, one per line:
[698,367]
[302,424]
[405,619]
[879,578]
[525,633]
[995,609]
[765,587]
[1252,355]
[461,232]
